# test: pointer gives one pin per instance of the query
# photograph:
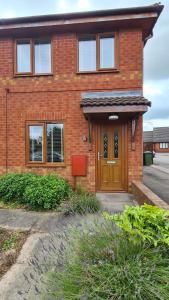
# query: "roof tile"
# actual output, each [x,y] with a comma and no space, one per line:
[106,101]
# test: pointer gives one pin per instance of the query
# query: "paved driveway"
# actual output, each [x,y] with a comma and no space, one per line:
[156,177]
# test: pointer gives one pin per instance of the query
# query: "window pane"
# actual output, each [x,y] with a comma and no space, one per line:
[23,57]
[35,142]
[106,52]
[116,145]
[87,54]
[105,145]
[42,57]
[55,151]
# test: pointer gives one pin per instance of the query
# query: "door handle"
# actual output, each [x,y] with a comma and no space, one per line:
[99,155]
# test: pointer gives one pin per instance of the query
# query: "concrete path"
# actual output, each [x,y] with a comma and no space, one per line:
[31,221]
[49,222]
[41,252]
[158,181]
[115,202]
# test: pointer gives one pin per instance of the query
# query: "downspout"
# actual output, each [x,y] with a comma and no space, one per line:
[6,128]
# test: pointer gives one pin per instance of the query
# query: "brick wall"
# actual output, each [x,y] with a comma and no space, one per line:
[135,158]
[57,98]
[159,150]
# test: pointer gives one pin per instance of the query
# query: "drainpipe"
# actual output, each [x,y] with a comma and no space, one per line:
[6,128]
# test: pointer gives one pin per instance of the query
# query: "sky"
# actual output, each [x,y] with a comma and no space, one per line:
[156,51]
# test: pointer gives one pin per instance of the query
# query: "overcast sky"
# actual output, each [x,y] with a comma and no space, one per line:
[156,52]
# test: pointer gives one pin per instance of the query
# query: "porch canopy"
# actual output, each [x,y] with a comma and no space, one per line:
[94,103]
[127,105]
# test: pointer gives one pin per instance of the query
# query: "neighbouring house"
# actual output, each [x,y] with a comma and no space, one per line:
[156,140]
[71,92]
[148,141]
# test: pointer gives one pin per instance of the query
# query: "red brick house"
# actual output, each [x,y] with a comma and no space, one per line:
[156,140]
[71,84]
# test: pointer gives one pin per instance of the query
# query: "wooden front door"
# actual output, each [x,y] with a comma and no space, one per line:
[111,156]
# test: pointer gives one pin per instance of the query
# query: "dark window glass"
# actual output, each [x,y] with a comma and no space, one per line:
[105,145]
[87,54]
[23,57]
[116,145]
[35,142]
[55,143]
[42,57]
[107,52]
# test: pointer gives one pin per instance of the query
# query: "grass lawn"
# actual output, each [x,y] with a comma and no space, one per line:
[11,243]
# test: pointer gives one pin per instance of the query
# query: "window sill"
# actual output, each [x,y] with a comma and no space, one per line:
[32,75]
[49,165]
[98,72]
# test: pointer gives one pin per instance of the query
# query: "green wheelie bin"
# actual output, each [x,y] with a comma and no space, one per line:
[147,158]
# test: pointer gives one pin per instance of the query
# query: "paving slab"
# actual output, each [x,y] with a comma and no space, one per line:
[115,202]
[26,220]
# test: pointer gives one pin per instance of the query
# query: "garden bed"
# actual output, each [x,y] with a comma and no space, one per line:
[44,193]
[11,243]
[125,257]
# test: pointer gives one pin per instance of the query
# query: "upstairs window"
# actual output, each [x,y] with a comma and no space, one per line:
[33,57]
[42,57]
[87,54]
[96,52]
[106,52]
[23,57]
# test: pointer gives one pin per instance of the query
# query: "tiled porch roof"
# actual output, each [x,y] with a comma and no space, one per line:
[104,101]
[113,98]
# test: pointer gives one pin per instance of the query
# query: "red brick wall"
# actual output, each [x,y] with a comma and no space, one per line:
[135,158]
[158,149]
[57,98]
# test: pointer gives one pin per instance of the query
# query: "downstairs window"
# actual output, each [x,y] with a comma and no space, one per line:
[45,143]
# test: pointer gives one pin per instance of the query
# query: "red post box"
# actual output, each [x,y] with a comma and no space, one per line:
[79,165]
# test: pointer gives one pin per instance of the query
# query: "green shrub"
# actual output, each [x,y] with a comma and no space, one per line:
[81,202]
[150,223]
[105,265]
[37,192]
[46,192]
[12,186]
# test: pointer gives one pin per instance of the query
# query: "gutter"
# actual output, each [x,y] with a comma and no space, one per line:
[120,11]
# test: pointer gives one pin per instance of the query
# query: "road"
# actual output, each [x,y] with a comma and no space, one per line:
[162,160]
[157,177]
